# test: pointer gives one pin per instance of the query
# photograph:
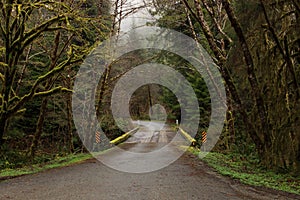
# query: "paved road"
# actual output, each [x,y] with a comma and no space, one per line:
[153,147]
[152,132]
[186,178]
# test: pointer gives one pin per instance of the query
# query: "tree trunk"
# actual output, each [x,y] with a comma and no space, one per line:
[69,118]
[230,120]
[150,100]
[3,123]
[225,72]
[39,128]
[252,78]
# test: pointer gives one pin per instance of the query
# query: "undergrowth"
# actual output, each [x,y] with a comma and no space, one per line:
[249,171]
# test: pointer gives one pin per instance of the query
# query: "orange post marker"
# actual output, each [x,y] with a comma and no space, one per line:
[97,137]
[204,137]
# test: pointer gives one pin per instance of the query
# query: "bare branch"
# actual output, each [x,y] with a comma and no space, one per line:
[217,25]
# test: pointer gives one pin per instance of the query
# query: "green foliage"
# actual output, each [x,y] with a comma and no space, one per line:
[248,170]
[41,53]
[109,127]
[264,88]
[56,162]
[10,159]
[197,83]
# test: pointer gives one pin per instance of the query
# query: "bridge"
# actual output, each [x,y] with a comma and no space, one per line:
[186,178]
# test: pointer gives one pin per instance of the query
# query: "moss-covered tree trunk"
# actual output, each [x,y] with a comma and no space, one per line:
[21,30]
[272,39]
[252,77]
[221,58]
[39,128]
[48,85]
[69,118]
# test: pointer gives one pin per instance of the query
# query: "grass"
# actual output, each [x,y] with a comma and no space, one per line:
[248,171]
[59,161]
[56,163]
[235,166]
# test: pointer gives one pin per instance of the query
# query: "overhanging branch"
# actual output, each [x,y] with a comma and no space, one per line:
[52,91]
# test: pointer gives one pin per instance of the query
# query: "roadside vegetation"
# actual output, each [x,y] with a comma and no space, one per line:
[248,170]
[56,162]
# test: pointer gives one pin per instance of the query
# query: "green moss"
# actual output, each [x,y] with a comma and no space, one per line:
[248,171]
[58,162]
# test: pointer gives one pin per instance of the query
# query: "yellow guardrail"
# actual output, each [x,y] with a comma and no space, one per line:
[124,137]
[188,137]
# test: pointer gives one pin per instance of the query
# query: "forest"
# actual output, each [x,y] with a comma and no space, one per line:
[254,44]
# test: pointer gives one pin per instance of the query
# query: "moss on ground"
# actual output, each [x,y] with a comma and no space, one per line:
[248,171]
[56,163]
